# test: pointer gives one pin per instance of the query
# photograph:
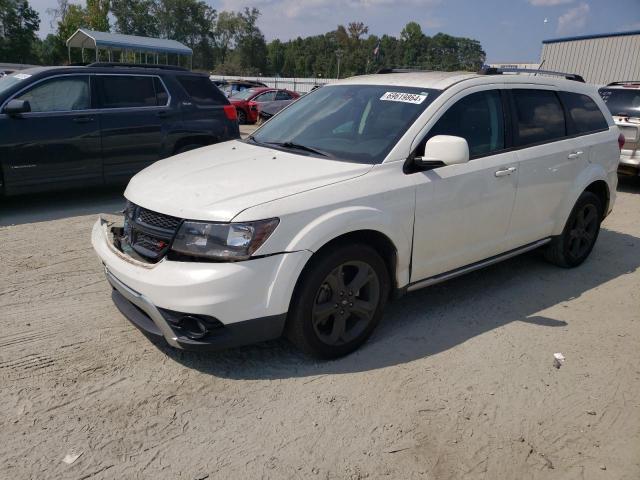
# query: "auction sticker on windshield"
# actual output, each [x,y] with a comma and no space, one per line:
[403,97]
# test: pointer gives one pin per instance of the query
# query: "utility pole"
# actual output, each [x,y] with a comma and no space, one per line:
[339,55]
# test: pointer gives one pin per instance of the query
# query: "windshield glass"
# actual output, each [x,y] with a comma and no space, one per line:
[358,123]
[244,94]
[622,101]
[10,80]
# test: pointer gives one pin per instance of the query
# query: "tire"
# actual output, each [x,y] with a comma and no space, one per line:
[327,319]
[242,117]
[574,245]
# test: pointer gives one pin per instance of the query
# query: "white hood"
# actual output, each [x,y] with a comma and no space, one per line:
[218,182]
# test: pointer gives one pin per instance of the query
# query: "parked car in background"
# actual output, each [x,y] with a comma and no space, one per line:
[249,102]
[356,193]
[102,123]
[270,109]
[623,100]
[231,87]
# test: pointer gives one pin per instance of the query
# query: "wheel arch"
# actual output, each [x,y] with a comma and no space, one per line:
[202,140]
[593,179]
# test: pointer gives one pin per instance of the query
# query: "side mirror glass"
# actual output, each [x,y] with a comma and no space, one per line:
[15,107]
[444,150]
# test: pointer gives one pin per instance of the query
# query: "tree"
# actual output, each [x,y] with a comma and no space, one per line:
[18,26]
[135,17]
[97,15]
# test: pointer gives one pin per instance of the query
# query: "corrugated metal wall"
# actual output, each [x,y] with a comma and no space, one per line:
[598,60]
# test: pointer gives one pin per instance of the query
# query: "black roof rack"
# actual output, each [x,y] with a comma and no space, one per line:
[499,71]
[401,70]
[137,65]
[624,82]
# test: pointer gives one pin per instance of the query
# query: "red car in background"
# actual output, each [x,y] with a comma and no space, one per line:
[248,102]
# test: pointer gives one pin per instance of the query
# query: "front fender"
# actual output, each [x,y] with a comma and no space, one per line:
[333,224]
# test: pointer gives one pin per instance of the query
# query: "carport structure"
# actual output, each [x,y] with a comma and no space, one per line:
[150,50]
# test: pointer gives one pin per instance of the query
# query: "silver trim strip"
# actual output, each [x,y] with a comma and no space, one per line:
[475,266]
[144,304]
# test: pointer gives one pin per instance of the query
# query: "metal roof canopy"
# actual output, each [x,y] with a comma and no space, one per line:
[85,38]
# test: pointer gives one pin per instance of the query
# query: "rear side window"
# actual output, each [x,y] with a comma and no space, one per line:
[201,90]
[539,117]
[478,118]
[124,91]
[62,94]
[584,114]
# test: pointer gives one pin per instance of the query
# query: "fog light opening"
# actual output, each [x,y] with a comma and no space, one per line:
[193,327]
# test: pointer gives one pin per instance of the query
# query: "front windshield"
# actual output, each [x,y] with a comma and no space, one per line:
[623,102]
[358,123]
[243,94]
[10,80]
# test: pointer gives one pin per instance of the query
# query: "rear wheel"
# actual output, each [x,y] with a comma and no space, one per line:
[242,117]
[580,233]
[338,301]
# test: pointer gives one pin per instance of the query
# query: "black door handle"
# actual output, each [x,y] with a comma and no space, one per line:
[83,119]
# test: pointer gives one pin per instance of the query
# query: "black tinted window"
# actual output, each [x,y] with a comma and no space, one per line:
[162,96]
[201,90]
[583,112]
[478,118]
[282,95]
[119,91]
[625,102]
[62,94]
[539,117]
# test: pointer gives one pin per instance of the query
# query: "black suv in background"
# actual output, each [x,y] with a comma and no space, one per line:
[100,124]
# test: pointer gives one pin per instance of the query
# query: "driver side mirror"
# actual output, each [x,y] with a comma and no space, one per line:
[15,107]
[443,150]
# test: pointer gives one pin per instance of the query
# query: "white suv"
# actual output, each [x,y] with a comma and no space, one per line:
[623,101]
[356,193]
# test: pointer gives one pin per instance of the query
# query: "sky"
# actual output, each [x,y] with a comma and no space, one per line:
[509,30]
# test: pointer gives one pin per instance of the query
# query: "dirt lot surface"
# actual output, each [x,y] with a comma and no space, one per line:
[457,383]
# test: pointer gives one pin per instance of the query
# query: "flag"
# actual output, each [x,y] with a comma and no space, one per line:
[376,51]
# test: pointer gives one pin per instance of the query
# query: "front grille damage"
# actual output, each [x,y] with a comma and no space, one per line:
[146,235]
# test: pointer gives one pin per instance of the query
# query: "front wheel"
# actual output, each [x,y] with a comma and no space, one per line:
[580,233]
[338,301]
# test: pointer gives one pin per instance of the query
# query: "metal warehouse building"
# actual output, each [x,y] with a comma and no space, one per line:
[600,59]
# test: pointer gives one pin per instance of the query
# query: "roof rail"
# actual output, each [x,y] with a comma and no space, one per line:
[499,71]
[137,65]
[401,70]
[624,82]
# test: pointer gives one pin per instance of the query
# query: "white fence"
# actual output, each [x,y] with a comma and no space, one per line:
[302,85]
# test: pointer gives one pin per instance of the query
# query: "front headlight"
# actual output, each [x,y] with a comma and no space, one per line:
[223,241]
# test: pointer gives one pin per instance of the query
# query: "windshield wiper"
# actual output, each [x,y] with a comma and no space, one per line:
[297,146]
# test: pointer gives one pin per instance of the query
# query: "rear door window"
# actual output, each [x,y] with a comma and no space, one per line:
[201,90]
[265,97]
[127,91]
[61,94]
[539,117]
[478,118]
[584,115]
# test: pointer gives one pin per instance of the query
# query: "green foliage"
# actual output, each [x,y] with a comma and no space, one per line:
[231,42]
[18,26]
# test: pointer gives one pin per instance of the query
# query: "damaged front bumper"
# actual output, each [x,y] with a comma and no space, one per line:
[243,302]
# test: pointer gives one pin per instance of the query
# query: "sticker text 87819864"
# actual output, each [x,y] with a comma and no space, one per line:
[404,97]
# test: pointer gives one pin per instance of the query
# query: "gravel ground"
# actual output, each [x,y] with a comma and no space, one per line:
[456,383]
